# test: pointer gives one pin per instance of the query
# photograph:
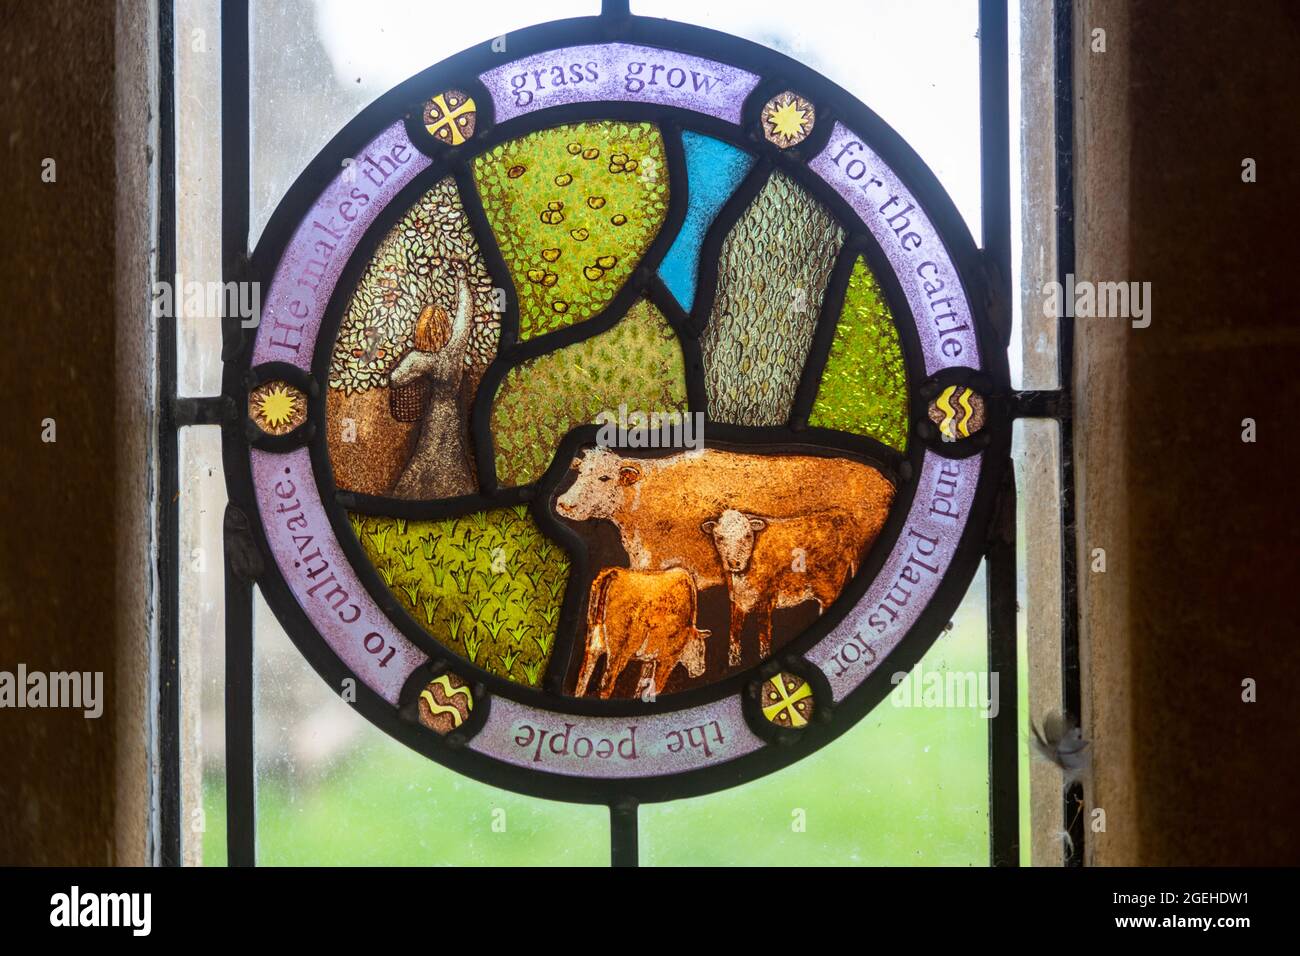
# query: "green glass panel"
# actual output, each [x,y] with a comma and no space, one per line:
[488,585]
[637,363]
[574,209]
[864,387]
[772,275]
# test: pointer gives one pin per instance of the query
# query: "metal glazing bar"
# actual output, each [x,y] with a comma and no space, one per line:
[167,849]
[995,169]
[240,767]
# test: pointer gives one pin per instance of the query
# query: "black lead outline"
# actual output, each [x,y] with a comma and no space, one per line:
[624,793]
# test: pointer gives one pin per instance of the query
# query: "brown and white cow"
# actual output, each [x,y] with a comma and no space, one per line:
[648,616]
[782,562]
[658,504]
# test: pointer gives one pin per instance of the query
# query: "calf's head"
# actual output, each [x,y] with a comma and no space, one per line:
[597,492]
[733,535]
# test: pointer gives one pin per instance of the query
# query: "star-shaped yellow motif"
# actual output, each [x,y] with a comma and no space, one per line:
[277,407]
[788,120]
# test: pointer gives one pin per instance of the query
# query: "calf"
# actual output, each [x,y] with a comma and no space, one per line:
[644,615]
[781,562]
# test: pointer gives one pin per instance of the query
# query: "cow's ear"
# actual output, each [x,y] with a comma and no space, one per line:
[757,524]
[708,526]
[629,474]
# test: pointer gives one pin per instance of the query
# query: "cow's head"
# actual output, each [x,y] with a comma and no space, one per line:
[598,490]
[733,535]
[693,653]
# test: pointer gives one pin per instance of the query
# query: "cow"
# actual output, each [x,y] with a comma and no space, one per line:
[647,616]
[658,504]
[782,562]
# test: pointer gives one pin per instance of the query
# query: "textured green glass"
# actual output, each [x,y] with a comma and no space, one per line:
[637,363]
[864,387]
[574,209]
[772,276]
[488,585]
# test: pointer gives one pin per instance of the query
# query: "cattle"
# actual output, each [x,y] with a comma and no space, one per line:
[781,562]
[658,504]
[648,616]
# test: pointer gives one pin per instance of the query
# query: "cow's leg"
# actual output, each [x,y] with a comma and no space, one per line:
[594,649]
[588,665]
[614,666]
[662,671]
[765,630]
[826,593]
[733,640]
[649,678]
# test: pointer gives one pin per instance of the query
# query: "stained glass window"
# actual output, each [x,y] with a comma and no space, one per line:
[627,415]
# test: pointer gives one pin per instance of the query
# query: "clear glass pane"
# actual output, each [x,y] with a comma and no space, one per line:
[316,64]
[1036,454]
[202,506]
[333,789]
[916,65]
[1033,194]
[907,786]
[198,197]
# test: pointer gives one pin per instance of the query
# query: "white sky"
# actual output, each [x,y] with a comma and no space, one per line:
[915,62]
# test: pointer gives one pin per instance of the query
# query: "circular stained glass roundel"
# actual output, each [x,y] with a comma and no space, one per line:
[621,414]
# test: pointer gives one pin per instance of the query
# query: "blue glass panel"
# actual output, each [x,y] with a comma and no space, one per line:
[713,170]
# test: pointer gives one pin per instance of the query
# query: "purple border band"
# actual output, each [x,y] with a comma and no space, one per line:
[616,747]
[930,281]
[320,248]
[911,575]
[318,573]
[622,72]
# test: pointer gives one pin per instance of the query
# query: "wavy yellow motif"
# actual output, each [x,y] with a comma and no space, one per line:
[944,402]
[444,681]
[964,425]
[949,413]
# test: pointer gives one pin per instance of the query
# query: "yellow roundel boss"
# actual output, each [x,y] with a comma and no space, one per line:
[450,117]
[277,408]
[787,700]
[445,703]
[958,411]
[788,119]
